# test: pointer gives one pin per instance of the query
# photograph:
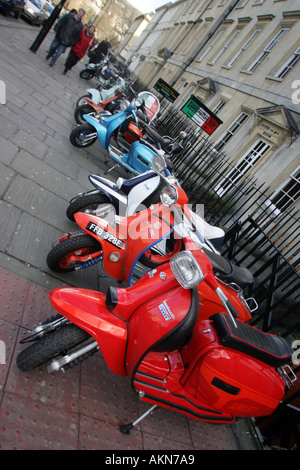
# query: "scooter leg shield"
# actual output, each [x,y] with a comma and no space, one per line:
[86,309]
[99,128]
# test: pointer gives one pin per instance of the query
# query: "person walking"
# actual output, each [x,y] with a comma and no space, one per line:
[68,30]
[85,42]
[100,51]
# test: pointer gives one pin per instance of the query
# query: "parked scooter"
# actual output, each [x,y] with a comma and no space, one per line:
[106,107]
[97,95]
[101,69]
[118,102]
[149,238]
[191,356]
[127,196]
[139,156]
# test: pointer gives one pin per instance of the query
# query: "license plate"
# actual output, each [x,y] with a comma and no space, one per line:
[100,232]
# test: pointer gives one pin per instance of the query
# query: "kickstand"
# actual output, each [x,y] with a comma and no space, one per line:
[127,427]
[112,168]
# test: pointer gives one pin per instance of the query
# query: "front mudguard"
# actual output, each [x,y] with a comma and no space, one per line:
[86,309]
[95,95]
[106,127]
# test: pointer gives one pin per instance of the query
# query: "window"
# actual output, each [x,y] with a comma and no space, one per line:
[288,65]
[232,129]
[244,47]
[232,38]
[220,105]
[192,40]
[241,3]
[242,167]
[168,14]
[267,49]
[150,40]
[211,46]
[289,193]
[134,63]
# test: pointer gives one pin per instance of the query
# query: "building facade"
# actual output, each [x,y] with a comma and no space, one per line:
[241,58]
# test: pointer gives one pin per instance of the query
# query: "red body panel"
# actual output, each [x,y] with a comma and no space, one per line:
[153,321]
[132,133]
[158,376]
[135,234]
[252,388]
[86,309]
[208,381]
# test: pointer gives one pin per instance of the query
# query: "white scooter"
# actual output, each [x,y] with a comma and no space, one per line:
[97,95]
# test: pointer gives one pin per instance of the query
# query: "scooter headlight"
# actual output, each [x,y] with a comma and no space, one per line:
[169,195]
[124,105]
[186,269]
[158,164]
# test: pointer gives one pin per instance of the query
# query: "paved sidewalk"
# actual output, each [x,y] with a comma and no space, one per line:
[39,172]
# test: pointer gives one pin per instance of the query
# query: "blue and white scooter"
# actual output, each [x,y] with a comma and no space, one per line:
[105,127]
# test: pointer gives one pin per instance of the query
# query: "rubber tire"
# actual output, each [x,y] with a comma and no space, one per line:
[78,130]
[79,103]
[80,110]
[66,247]
[86,74]
[50,346]
[84,202]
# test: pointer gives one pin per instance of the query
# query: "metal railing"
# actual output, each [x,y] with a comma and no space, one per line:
[259,237]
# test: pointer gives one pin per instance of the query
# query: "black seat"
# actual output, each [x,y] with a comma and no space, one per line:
[271,349]
[156,136]
[229,272]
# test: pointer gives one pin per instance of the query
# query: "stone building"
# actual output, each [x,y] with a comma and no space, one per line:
[241,59]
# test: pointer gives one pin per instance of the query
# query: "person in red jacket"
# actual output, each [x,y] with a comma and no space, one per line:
[85,42]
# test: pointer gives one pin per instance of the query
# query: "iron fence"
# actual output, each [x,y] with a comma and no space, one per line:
[260,237]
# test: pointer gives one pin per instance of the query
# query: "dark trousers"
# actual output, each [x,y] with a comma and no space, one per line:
[71,60]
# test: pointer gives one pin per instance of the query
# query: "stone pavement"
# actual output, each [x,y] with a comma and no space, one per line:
[39,172]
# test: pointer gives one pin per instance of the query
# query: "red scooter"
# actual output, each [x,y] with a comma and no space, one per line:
[143,240]
[108,106]
[176,336]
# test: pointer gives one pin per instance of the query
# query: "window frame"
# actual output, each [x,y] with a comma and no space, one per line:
[288,65]
[267,49]
[243,165]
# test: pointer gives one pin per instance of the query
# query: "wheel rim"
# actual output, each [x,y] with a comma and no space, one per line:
[85,137]
[64,261]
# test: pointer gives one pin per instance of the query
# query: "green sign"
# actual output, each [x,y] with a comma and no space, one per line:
[201,115]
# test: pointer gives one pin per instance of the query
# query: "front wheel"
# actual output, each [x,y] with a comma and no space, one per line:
[83,135]
[86,202]
[86,74]
[82,101]
[62,257]
[53,344]
[80,111]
